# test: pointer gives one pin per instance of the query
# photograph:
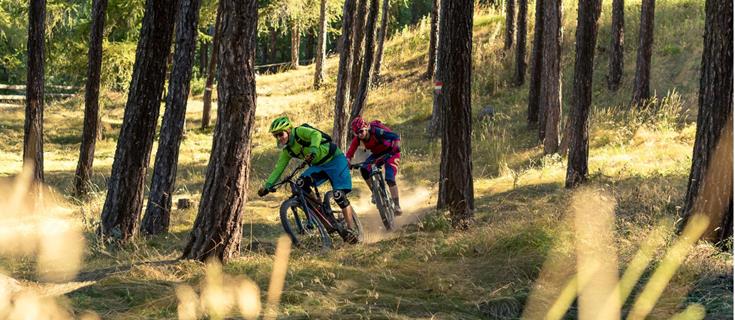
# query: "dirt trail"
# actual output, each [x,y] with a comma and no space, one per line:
[415,204]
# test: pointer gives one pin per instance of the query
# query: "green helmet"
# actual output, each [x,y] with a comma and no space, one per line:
[280,124]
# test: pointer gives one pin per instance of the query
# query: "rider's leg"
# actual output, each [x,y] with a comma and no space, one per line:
[340,197]
[313,177]
[391,169]
[341,179]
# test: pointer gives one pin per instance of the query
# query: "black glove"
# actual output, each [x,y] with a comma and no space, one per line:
[262,192]
[309,158]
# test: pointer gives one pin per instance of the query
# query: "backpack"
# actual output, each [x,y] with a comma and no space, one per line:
[325,139]
[377,123]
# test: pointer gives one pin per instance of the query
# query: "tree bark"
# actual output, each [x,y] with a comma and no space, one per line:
[438,112]
[125,188]
[321,47]
[208,87]
[273,36]
[616,45]
[362,90]
[158,212]
[83,175]
[295,44]
[217,229]
[339,131]
[534,85]
[203,53]
[588,12]
[509,14]
[33,127]
[641,87]
[520,69]
[382,34]
[455,51]
[357,39]
[550,116]
[434,32]
[710,189]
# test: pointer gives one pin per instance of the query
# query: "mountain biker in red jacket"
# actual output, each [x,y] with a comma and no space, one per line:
[381,141]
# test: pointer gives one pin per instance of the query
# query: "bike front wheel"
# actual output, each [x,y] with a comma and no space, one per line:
[384,203]
[304,230]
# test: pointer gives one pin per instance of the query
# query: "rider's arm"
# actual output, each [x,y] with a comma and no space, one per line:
[353,147]
[283,160]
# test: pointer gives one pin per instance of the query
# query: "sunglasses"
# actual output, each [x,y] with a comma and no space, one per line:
[279,134]
[363,130]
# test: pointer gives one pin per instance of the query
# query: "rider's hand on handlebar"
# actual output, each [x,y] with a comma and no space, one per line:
[309,158]
[262,192]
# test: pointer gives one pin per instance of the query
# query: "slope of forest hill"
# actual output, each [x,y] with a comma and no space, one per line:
[520,246]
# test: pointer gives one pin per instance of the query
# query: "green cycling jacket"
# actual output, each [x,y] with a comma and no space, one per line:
[320,150]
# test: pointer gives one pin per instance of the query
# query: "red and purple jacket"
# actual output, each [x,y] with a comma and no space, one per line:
[381,141]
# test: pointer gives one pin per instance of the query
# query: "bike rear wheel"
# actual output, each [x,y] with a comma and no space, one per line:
[305,232]
[383,202]
[341,217]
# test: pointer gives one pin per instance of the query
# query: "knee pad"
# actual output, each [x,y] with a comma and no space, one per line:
[390,183]
[340,197]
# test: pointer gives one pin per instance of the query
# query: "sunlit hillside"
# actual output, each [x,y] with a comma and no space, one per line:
[520,254]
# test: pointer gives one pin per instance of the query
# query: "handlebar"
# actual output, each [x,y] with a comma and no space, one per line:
[287,178]
[379,159]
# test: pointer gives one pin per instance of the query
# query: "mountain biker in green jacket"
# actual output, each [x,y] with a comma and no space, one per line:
[326,162]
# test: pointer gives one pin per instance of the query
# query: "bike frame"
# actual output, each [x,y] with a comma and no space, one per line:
[311,206]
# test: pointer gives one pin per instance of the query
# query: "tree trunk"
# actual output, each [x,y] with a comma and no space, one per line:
[158,212]
[295,48]
[217,229]
[510,12]
[125,188]
[82,178]
[362,90]
[321,48]
[207,105]
[710,189]
[534,85]
[357,38]
[521,43]
[641,87]
[587,14]
[455,52]
[382,34]
[33,128]
[339,131]
[438,112]
[203,48]
[432,39]
[551,78]
[273,44]
[616,45]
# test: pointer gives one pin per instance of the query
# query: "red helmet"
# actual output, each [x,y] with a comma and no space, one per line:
[358,123]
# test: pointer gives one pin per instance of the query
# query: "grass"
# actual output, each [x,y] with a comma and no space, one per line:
[638,158]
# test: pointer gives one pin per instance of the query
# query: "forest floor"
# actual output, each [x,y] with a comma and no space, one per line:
[518,255]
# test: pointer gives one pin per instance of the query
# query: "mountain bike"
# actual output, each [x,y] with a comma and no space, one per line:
[385,204]
[309,221]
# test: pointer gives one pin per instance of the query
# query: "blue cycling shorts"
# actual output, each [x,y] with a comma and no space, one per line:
[336,171]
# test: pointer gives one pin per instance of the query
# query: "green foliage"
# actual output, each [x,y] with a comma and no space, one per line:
[13,24]
[118,59]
